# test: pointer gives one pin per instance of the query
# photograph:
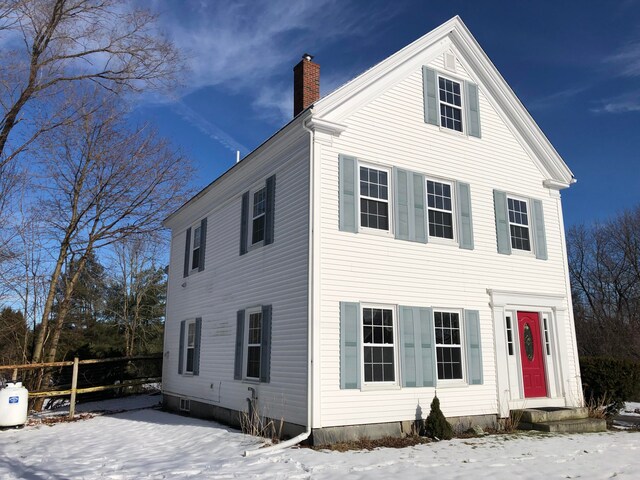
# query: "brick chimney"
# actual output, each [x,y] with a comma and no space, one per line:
[306,84]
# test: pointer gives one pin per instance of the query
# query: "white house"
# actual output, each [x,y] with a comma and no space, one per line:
[399,237]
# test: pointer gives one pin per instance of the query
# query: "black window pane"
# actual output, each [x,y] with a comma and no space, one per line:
[368,355]
[258,230]
[377,335]
[377,372]
[189,367]
[195,260]
[368,335]
[388,335]
[388,372]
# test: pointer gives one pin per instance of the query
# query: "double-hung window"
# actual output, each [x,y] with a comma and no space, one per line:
[374,198]
[190,347]
[258,215]
[254,341]
[448,336]
[450,99]
[195,252]
[195,244]
[378,343]
[519,227]
[253,344]
[440,209]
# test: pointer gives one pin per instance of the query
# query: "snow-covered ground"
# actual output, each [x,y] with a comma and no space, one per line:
[150,444]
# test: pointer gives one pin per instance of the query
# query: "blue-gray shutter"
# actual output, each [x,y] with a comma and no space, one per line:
[196,347]
[502,222]
[181,347]
[427,347]
[473,109]
[410,348]
[417,351]
[540,239]
[430,99]
[472,346]
[465,222]
[348,193]
[203,242]
[244,223]
[187,252]
[419,209]
[265,345]
[409,210]
[237,368]
[349,345]
[270,210]
[403,200]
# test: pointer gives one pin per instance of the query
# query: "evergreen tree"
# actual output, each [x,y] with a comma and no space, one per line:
[14,337]
[436,425]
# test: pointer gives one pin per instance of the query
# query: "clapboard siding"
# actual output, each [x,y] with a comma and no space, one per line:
[275,274]
[390,131]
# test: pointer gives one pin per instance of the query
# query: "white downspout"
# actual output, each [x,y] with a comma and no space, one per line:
[310,303]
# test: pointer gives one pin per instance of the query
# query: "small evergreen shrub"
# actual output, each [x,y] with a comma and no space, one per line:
[609,381]
[436,425]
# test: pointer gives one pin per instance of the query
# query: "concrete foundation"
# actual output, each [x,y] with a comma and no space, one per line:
[327,435]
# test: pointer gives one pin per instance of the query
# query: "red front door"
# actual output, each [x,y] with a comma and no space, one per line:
[533,378]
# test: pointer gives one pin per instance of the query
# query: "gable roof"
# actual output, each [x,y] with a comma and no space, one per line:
[362,89]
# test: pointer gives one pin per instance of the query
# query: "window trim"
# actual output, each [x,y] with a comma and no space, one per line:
[364,385]
[462,107]
[454,212]
[188,323]
[519,251]
[245,351]
[463,360]
[389,201]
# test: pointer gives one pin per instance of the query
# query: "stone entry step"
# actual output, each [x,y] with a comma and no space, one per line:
[558,420]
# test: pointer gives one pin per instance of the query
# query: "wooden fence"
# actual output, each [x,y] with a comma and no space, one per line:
[154,365]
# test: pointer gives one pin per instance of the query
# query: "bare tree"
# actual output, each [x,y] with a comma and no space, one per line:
[57,43]
[604,264]
[137,292]
[103,183]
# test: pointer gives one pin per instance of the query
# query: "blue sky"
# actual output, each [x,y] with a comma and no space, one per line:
[574,65]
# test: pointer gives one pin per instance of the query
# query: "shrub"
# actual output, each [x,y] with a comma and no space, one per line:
[436,425]
[609,381]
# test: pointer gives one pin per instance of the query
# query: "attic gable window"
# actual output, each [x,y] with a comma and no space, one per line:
[450,104]
[445,99]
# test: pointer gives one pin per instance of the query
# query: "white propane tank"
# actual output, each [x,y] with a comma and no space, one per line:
[13,405]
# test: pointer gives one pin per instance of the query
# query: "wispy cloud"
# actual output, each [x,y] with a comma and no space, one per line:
[557,98]
[208,128]
[238,43]
[245,46]
[628,102]
[626,60]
